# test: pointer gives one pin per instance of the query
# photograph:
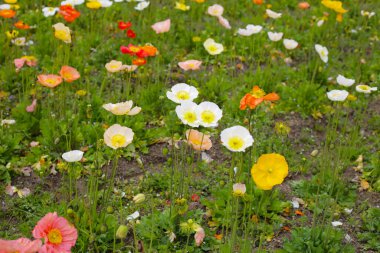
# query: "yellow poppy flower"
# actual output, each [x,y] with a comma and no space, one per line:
[270,170]
[93,4]
[335,6]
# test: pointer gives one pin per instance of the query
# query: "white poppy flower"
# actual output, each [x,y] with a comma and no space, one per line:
[336,223]
[209,114]
[341,80]
[236,138]
[49,11]
[117,136]
[249,30]
[273,36]
[73,156]
[142,5]
[182,92]
[337,95]
[72,2]
[212,47]
[323,52]
[273,14]
[290,44]
[365,88]
[123,108]
[5,6]
[187,113]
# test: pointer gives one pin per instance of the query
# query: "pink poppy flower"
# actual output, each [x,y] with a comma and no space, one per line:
[19,63]
[224,22]
[69,74]
[199,236]
[198,140]
[32,106]
[59,235]
[161,27]
[22,245]
[190,65]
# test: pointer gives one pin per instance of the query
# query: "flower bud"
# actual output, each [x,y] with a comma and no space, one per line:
[139,198]
[122,232]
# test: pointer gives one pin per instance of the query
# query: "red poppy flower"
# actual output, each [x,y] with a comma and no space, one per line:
[131,34]
[69,13]
[195,197]
[124,25]
[130,49]
[139,61]
[256,97]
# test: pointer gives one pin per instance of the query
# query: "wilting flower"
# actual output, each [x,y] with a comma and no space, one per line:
[31,61]
[181,6]
[139,198]
[273,14]
[341,80]
[187,113]
[224,22]
[123,108]
[367,13]
[49,11]
[32,106]
[199,141]
[22,245]
[73,156]
[117,136]
[182,92]
[68,13]
[133,216]
[199,236]
[212,47]
[142,5]
[282,128]
[249,30]
[10,190]
[273,36]
[50,81]
[59,235]
[337,95]
[270,170]
[215,10]
[190,65]
[256,97]
[209,114]
[161,27]
[239,189]
[236,138]
[62,32]
[323,52]
[7,13]
[290,44]
[69,74]
[365,88]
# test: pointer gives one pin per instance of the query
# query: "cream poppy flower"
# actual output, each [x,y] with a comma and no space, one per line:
[273,14]
[123,108]
[215,10]
[209,114]
[114,66]
[249,30]
[212,47]
[365,88]
[182,92]
[337,95]
[236,138]
[346,82]
[73,156]
[323,52]
[273,36]
[187,113]
[290,44]
[117,136]
[49,11]
[62,32]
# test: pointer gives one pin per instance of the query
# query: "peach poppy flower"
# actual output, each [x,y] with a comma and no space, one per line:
[59,235]
[303,5]
[50,81]
[161,27]
[23,245]
[199,141]
[7,13]
[69,74]
[256,97]
[190,65]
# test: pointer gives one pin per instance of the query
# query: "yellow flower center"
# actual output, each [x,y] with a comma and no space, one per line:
[208,116]
[50,81]
[238,193]
[55,236]
[183,95]
[118,140]
[363,87]
[235,143]
[258,93]
[212,48]
[190,117]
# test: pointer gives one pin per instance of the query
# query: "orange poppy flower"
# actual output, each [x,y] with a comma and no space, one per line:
[50,81]
[7,13]
[21,25]
[150,50]
[256,97]
[258,1]
[69,13]
[139,61]
[69,74]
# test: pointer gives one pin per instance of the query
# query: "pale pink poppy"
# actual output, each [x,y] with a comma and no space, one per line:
[32,106]
[161,27]
[190,65]
[11,190]
[19,63]
[224,22]
[59,235]
[22,245]
[215,10]
[199,236]
[69,74]
[199,141]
